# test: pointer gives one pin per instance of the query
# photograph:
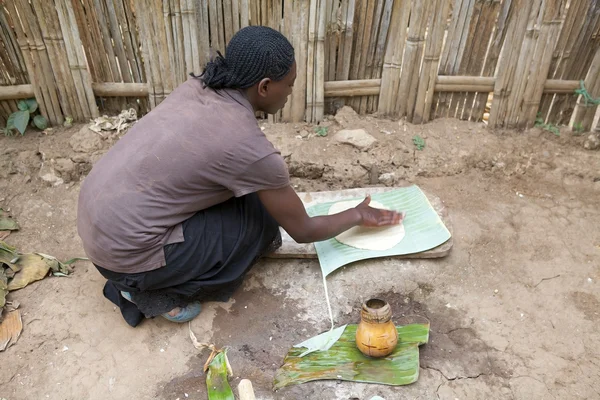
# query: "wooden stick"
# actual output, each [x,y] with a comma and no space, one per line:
[245,390]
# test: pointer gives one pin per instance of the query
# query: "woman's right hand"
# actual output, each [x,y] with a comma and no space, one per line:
[373,217]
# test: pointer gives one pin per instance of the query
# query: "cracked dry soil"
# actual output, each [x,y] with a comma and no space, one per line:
[514,308]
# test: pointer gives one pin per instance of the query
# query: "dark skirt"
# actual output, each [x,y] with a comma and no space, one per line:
[221,244]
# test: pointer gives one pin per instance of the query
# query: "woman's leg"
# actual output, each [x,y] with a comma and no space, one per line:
[221,244]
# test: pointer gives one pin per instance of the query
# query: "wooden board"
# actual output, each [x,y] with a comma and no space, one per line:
[291,249]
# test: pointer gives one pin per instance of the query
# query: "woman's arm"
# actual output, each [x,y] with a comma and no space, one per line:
[287,209]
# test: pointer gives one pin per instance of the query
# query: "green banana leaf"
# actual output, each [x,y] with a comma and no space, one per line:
[7,223]
[425,230]
[343,361]
[216,378]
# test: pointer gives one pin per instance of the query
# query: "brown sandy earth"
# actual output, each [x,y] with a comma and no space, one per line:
[514,309]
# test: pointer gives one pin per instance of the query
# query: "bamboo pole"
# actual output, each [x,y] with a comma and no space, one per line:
[486,14]
[572,23]
[16,92]
[203,33]
[390,75]
[583,114]
[493,54]
[581,56]
[227,19]
[310,63]
[111,89]
[106,37]
[75,66]
[164,50]
[216,41]
[63,62]
[188,33]
[38,63]
[343,71]
[179,44]
[509,57]
[409,79]
[288,23]
[235,12]
[301,12]
[540,65]
[332,34]
[453,50]
[15,55]
[117,39]
[374,19]
[83,74]
[427,83]
[521,77]
[147,50]
[357,53]
[362,45]
[245,13]
[366,91]
[379,51]
[320,65]
[55,65]
[133,40]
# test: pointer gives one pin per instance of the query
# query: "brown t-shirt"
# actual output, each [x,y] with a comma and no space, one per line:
[198,148]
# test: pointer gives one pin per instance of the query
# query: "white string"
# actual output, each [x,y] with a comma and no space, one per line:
[327,299]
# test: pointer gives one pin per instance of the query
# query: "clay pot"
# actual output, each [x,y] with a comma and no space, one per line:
[376,335]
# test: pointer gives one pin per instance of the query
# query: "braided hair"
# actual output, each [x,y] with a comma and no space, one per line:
[253,53]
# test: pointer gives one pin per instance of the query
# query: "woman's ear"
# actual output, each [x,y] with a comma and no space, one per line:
[263,87]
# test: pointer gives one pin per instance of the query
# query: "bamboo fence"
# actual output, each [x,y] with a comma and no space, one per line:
[413,59]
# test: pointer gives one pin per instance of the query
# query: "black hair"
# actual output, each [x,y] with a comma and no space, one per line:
[253,53]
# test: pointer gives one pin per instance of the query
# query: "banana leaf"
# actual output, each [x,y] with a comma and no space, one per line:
[425,230]
[7,223]
[343,361]
[30,267]
[216,379]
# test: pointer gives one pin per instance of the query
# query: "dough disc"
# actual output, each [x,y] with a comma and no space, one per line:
[366,238]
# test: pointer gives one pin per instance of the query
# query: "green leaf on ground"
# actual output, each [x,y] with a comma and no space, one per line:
[419,142]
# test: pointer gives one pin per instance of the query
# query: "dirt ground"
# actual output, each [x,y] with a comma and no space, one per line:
[514,308]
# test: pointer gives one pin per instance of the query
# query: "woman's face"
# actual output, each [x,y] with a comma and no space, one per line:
[274,94]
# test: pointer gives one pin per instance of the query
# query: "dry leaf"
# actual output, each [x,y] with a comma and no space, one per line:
[10,329]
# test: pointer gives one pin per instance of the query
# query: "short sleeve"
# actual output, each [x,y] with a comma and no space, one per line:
[268,173]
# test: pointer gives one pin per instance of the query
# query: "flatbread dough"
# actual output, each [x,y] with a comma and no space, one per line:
[360,237]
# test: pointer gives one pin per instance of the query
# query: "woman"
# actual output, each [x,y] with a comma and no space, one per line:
[185,203]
